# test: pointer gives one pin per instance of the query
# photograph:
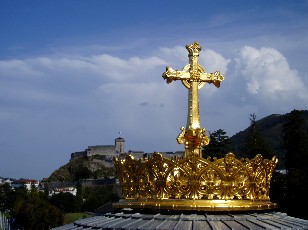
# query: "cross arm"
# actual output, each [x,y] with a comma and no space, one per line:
[214,78]
[172,75]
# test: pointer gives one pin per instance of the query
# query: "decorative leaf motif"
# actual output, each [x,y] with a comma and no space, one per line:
[196,178]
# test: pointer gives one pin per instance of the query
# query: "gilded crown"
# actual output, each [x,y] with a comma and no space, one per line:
[205,182]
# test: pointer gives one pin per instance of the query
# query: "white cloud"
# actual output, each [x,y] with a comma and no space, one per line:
[267,74]
[104,65]
[120,69]
[69,76]
[17,68]
[213,61]
[175,56]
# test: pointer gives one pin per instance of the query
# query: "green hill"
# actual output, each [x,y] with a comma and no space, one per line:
[83,168]
[271,128]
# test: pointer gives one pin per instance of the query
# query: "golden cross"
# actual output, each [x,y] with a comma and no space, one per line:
[193,77]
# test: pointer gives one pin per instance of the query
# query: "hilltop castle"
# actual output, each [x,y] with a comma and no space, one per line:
[111,151]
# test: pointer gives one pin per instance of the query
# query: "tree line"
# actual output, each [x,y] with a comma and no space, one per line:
[35,210]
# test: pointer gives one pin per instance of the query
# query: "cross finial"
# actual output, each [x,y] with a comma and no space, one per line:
[193,49]
[193,77]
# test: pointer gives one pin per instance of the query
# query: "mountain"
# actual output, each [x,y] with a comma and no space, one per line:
[271,128]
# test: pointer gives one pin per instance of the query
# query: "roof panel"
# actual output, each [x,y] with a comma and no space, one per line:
[199,221]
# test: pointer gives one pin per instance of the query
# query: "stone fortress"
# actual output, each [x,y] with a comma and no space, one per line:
[103,150]
[111,151]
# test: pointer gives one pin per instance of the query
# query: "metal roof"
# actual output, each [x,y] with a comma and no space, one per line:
[123,220]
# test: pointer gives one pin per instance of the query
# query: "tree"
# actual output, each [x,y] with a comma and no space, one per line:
[296,145]
[7,197]
[32,211]
[83,173]
[297,190]
[79,198]
[219,145]
[254,142]
[66,202]
[278,191]
[94,197]
[296,141]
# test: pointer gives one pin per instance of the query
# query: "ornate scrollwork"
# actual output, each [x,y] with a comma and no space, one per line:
[196,178]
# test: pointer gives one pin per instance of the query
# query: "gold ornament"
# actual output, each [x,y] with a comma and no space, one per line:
[192,182]
[193,77]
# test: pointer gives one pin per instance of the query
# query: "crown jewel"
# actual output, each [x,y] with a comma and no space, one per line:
[192,182]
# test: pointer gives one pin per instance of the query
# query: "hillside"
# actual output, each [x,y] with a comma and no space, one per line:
[271,128]
[94,167]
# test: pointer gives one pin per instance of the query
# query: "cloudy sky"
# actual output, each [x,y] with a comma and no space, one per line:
[76,73]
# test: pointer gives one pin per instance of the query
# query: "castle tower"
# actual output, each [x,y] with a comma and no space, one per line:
[119,145]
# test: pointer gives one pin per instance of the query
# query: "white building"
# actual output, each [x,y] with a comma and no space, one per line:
[71,190]
[28,184]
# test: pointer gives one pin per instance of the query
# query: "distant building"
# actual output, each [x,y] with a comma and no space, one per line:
[282,171]
[71,187]
[6,181]
[28,184]
[141,154]
[71,190]
[109,151]
[136,154]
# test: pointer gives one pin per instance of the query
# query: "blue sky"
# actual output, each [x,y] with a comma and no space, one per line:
[76,73]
